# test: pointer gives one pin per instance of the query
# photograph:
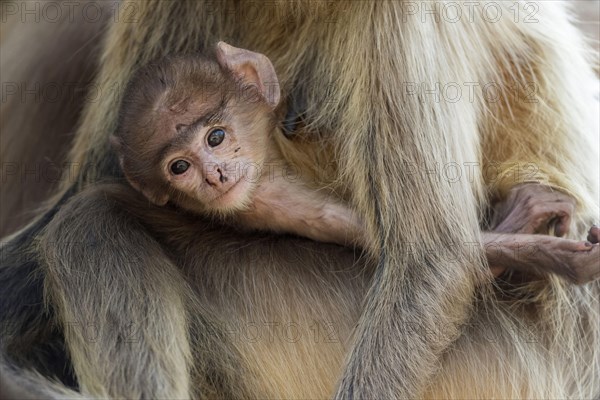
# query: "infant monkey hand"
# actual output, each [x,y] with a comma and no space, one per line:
[577,261]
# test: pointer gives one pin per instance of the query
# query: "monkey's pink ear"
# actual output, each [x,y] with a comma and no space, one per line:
[252,68]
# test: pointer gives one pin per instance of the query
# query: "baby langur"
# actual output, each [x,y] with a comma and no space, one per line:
[200,134]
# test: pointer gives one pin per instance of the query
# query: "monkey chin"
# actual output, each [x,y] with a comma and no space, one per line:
[237,198]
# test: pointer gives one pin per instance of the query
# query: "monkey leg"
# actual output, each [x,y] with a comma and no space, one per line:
[119,299]
[578,261]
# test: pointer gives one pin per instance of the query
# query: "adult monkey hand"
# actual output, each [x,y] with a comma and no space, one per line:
[534,208]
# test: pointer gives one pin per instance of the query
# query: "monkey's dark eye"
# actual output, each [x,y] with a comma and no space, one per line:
[179,167]
[215,137]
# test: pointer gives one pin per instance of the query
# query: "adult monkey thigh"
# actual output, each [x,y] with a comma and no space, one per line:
[360,56]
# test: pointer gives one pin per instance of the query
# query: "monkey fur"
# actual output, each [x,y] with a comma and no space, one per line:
[172,111]
[174,107]
[410,318]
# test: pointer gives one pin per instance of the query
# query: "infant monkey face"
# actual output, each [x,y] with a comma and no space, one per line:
[214,170]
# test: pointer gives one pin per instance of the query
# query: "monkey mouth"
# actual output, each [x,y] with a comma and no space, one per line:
[220,196]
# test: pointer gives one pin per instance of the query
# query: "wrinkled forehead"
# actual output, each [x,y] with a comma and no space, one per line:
[176,123]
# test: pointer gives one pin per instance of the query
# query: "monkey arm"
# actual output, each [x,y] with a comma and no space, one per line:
[578,261]
[119,299]
[283,206]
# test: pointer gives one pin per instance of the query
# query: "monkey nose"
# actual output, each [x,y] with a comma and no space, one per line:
[216,179]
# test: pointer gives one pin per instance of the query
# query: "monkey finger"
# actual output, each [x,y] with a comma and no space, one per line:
[594,234]
[560,225]
[587,266]
[544,217]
